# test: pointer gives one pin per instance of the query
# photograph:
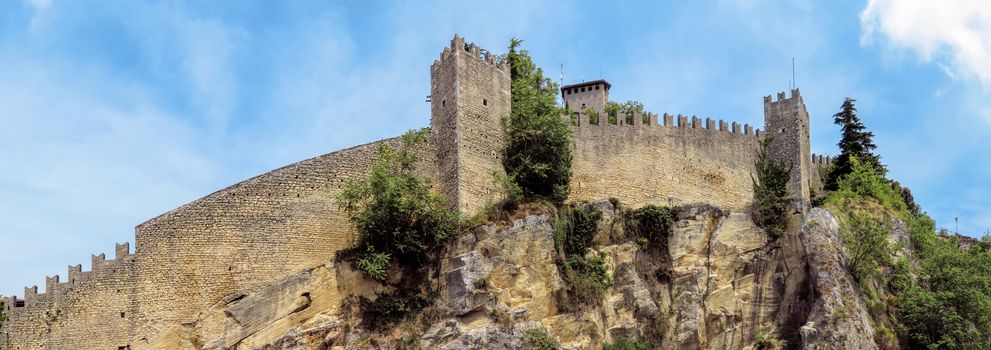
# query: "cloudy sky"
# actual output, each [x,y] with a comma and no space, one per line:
[112,112]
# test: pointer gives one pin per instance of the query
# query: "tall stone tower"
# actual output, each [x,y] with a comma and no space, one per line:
[786,122]
[469,94]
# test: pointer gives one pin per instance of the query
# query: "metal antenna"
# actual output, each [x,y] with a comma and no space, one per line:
[793,81]
[562,74]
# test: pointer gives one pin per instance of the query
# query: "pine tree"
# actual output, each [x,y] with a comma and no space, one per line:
[856,141]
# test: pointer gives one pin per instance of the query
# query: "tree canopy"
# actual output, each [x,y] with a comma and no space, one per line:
[856,141]
[397,215]
[770,192]
[538,142]
[629,108]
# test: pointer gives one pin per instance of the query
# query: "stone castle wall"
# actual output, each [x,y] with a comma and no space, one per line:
[89,310]
[270,226]
[664,163]
[237,238]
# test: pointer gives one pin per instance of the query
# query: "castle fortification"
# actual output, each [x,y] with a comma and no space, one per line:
[269,226]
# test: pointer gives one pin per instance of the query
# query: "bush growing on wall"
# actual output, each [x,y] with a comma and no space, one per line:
[770,193]
[398,217]
[3,314]
[538,141]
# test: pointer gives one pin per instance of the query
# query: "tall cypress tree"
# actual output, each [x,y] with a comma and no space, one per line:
[856,141]
[538,142]
[770,193]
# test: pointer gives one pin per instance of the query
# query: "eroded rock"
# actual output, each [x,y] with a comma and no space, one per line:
[839,319]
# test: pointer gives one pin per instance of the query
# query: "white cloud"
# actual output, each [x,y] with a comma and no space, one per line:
[40,5]
[86,158]
[954,34]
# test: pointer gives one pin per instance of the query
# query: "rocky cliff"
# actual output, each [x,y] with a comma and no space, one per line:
[721,284]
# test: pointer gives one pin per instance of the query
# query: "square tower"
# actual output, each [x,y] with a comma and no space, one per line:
[469,95]
[592,94]
[786,122]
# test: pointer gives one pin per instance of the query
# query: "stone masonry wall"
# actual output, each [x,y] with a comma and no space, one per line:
[246,235]
[579,97]
[787,124]
[664,163]
[240,237]
[89,310]
[470,94]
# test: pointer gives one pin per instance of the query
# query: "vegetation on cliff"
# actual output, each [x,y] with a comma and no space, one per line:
[585,275]
[537,156]
[927,292]
[400,222]
[770,192]
[623,343]
[856,141]
[398,217]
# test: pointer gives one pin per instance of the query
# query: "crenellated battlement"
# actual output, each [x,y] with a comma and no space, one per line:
[821,160]
[76,276]
[783,101]
[582,120]
[469,50]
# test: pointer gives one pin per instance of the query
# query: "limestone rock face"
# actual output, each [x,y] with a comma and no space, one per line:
[730,280]
[719,282]
[839,319]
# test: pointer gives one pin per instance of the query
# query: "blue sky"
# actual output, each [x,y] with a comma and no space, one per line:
[112,112]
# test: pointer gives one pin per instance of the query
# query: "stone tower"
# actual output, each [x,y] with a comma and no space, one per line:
[786,122]
[591,94]
[469,94]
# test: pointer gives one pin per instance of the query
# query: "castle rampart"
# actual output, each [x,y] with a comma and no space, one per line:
[663,164]
[248,234]
[65,316]
[264,228]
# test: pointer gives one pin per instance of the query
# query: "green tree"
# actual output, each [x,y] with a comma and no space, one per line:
[951,307]
[770,193]
[611,109]
[866,239]
[629,108]
[398,216]
[538,141]
[856,141]
[3,314]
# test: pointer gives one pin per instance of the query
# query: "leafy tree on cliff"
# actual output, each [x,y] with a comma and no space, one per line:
[397,215]
[538,142]
[855,142]
[770,193]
